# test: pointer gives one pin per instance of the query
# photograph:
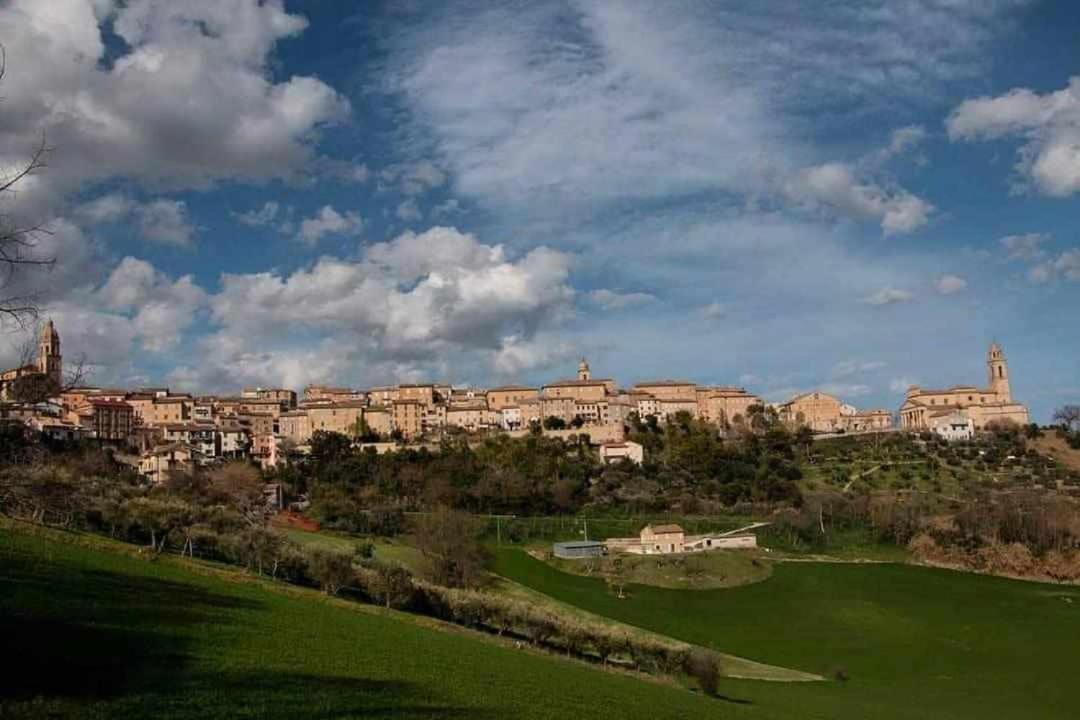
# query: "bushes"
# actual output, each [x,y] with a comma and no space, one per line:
[703,666]
[331,570]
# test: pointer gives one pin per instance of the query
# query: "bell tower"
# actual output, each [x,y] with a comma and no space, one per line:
[998,370]
[49,360]
[583,372]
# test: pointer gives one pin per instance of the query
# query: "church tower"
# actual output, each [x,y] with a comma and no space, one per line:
[999,373]
[583,373]
[49,362]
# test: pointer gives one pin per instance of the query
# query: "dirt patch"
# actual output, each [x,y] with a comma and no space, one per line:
[1053,446]
[295,521]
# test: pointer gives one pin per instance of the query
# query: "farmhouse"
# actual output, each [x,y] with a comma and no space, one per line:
[672,539]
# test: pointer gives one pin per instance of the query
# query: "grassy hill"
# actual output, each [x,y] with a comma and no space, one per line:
[912,642]
[98,633]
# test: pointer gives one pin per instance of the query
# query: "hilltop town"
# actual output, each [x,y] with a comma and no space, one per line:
[162,430]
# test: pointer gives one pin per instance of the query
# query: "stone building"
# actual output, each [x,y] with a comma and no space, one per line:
[725,406]
[510,396]
[993,403]
[41,379]
[109,420]
[407,417]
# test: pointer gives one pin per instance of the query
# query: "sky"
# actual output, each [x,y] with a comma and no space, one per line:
[787,196]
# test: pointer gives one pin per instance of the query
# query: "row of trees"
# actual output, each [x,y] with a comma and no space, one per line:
[688,468]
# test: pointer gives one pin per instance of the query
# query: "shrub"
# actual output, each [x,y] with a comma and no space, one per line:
[331,570]
[703,666]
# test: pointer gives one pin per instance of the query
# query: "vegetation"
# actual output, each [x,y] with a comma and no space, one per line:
[901,642]
[104,634]
[690,571]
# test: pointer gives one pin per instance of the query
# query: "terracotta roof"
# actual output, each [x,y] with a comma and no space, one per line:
[665,529]
[665,383]
[578,383]
[505,388]
[109,403]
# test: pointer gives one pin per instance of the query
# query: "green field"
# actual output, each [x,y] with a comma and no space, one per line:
[395,550]
[98,633]
[691,571]
[914,643]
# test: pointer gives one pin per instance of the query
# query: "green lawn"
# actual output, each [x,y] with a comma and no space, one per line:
[396,550]
[93,633]
[915,643]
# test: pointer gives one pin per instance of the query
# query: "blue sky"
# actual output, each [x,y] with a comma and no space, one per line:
[786,196]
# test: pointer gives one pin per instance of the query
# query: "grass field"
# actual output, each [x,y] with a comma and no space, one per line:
[914,643]
[693,571]
[396,551]
[101,634]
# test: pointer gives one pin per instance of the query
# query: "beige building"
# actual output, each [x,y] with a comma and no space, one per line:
[333,394]
[340,417]
[473,417]
[110,420]
[725,406]
[670,390]
[295,425]
[44,377]
[984,406]
[818,411]
[510,396]
[407,417]
[161,463]
[584,387]
[379,420]
[284,397]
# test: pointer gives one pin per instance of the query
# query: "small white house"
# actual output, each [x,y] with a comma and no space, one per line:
[614,451]
[953,426]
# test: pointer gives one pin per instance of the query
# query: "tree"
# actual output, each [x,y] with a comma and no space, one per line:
[391,585]
[450,543]
[332,570]
[18,240]
[239,484]
[1069,416]
[553,422]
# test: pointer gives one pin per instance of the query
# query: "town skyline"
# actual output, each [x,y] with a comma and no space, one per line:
[427,203]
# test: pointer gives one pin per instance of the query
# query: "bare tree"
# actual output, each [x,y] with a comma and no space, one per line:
[18,241]
[1069,415]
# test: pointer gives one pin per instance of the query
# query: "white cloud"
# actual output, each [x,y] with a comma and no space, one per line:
[612,300]
[328,221]
[1049,124]
[848,368]
[165,222]
[414,178]
[177,72]
[888,296]
[408,211]
[160,309]
[835,185]
[846,390]
[1066,265]
[161,221]
[950,284]
[713,311]
[1024,247]
[265,215]
[901,384]
[415,299]
[106,209]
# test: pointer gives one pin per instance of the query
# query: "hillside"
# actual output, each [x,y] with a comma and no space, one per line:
[99,633]
[903,642]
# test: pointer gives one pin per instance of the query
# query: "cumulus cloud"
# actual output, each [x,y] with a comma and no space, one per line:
[612,300]
[408,211]
[411,300]
[162,221]
[160,309]
[177,71]
[835,185]
[888,296]
[1024,247]
[413,178]
[328,221]
[1049,124]
[950,284]
[1065,265]
[259,217]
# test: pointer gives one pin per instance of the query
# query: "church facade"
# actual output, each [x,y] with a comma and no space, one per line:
[922,408]
[44,374]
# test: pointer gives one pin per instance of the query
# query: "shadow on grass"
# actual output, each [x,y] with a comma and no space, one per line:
[82,641]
